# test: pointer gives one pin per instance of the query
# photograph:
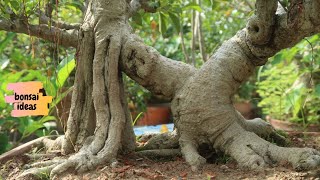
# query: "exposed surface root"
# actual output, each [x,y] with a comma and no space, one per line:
[40,156]
[45,163]
[262,129]
[41,173]
[250,151]
[167,140]
[189,150]
[40,142]
[160,153]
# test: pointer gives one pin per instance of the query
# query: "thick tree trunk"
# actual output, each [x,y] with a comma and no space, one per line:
[99,125]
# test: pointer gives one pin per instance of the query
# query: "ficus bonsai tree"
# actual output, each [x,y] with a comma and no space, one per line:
[99,125]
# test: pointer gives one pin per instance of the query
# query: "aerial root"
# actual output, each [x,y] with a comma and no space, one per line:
[104,146]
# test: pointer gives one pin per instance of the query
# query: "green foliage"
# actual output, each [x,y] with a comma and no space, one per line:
[289,86]
[174,16]
[137,95]
[4,143]
[21,65]
[26,125]
[221,19]
[64,69]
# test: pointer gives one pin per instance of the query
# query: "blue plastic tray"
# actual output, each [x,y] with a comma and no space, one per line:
[139,130]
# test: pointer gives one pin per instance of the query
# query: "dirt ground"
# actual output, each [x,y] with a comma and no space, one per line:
[134,167]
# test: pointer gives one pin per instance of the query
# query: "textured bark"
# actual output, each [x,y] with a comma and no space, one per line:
[81,119]
[98,98]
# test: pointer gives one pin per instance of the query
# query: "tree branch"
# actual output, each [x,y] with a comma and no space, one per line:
[63,37]
[249,4]
[260,25]
[147,67]
[135,5]
[301,20]
[59,24]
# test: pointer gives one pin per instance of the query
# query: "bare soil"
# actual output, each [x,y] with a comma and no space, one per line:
[135,167]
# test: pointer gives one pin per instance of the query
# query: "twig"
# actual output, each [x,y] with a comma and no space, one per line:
[185,53]
[60,24]
[200,36]
[193,42]
[249,4]
[67,38]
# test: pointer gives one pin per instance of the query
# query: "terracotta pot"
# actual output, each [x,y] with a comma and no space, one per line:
[246,109]
[155,115]
[292,127]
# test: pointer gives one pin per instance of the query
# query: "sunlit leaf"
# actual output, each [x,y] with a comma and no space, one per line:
[162,23]
[31,128]
[4,43]
[317,90]
[176,20]
[193,6]
[47,118]
[65,67]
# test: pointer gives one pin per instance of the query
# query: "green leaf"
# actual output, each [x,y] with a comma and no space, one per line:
[176,20]
[214,4]
[31,128]
[193,6]
[277,59]
[4,141]
[4,63]
[4,43]
[65,67]
[295,97]
[75,4]
[137,18]
[15,5]
[317,90]
[162,24]
[47,118]
[59,97]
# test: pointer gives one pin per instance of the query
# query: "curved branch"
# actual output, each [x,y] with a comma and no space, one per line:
[260,25]
[161,75]
[59,24]
[67,38]
[301,20]
[135,5]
